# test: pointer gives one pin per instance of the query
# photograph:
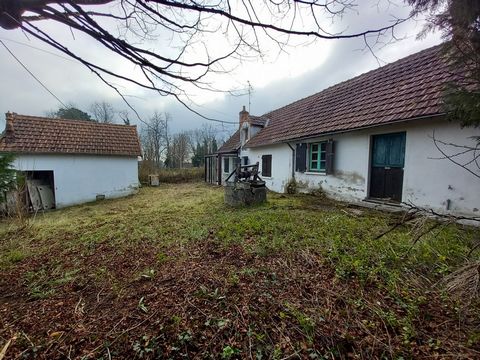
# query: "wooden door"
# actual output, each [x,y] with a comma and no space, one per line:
[386,176]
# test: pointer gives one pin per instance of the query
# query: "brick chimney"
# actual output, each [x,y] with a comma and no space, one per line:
[9,133]
[243,117]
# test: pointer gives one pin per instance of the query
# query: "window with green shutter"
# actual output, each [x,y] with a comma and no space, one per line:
[317,156]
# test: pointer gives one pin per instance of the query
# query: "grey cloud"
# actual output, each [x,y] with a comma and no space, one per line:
[73,83]
[345,62]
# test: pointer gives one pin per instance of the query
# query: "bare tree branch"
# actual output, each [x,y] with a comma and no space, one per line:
[245,24]
[464,151]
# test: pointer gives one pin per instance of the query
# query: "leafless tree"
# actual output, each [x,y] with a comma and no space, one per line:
[154,139]
[103,112]
[207,135]
[245,26]
[179,150]
[124,116]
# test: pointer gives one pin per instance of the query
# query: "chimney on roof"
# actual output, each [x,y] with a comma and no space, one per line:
[9,133]
[243,117]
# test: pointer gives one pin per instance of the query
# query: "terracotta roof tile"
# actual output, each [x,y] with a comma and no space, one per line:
[258,120]
[31,134]
[405,89]
[231,145]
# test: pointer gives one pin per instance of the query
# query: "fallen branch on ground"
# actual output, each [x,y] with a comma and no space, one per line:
[464,283]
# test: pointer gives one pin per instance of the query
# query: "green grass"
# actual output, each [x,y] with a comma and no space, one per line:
[13,256]
[164,222]
[173,214]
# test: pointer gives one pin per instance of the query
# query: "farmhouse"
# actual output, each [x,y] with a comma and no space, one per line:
[69,162]
[379,137]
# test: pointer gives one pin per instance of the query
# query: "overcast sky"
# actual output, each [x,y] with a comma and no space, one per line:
[277,79]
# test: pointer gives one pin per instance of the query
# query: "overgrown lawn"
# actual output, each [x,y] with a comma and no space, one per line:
[172,272]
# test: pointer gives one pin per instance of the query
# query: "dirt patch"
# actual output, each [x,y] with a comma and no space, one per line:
[208,300]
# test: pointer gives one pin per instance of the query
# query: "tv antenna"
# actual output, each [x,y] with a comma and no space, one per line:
[250,90]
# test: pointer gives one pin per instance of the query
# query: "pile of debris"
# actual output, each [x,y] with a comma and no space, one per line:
[35,194]
[40,195]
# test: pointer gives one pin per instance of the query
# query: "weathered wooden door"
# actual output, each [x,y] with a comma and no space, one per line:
[388,156]
[211,174]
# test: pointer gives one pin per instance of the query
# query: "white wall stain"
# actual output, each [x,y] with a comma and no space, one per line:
[427,182]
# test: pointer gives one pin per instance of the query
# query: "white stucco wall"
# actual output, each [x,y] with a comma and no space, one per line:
[427,182]
[80,178]
[281,164]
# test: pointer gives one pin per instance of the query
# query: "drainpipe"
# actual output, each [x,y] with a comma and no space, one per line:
[293,160]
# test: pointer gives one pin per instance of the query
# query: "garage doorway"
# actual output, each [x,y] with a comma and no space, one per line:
[40,188]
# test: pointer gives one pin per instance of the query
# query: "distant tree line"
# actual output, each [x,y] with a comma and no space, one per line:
[101,111]
[161,149]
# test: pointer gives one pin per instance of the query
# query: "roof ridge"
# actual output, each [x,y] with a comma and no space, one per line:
[406,89]
[403,59]
[45,118]
[42,135]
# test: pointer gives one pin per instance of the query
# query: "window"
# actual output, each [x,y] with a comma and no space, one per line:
[267,165]
[317,156]
[245,160]
[226,165]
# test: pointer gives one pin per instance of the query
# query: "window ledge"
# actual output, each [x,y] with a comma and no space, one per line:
[266,177]
[321,173]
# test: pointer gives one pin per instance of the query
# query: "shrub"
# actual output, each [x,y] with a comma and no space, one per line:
[171,175]
[181,175]
[292,187]
[7,173]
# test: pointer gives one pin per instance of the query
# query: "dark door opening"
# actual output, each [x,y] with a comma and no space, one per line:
[40,186]
[386,176]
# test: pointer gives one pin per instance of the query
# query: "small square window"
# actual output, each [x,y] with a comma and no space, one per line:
[317,156]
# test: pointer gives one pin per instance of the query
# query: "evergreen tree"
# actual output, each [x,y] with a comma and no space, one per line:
[7,174]
[198,155]
[214,146]
[459,22]
[71,113]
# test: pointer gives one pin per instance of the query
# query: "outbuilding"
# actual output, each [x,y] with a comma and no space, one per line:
[68,162]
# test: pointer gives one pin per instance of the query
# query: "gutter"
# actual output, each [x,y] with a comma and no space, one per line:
[20,153]
[232,152]
[293,160]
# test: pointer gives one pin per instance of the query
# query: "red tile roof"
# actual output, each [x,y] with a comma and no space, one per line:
[258,120]
[406,89]
[31,134]
[231,145]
